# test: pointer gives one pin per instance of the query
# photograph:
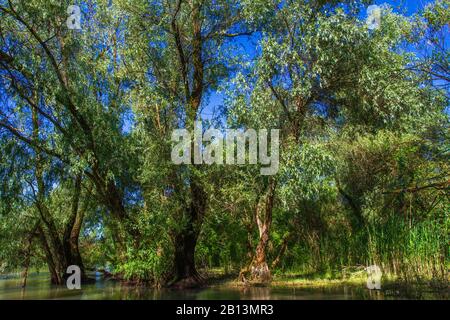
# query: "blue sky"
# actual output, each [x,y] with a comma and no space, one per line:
[405,7]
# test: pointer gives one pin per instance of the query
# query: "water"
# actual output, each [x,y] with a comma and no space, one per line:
[38,287]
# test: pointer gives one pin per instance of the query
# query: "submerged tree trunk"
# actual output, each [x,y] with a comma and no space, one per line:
[32,234]
[73,241]
[27,259]
[49,236]
[185,272]
[55,276]
[72,231]
[60,253]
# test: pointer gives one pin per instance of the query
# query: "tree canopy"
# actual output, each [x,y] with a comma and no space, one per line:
[86,119]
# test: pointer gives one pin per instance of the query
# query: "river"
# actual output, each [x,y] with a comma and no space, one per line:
[38,287]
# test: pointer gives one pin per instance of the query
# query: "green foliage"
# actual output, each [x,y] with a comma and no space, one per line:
[363,119]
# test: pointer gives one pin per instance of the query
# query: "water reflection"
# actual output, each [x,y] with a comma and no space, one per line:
[39,288]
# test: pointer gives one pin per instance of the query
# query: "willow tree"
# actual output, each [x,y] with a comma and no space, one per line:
[48,79]
[431,39]
[322,69]
[178,52]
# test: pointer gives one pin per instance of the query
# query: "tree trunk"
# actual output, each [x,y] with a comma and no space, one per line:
[72,231]
[74,236]
[27,261]
[357,220]
[283,249]
[258,270]
[119,222]
[28,249]
[185,274]
[52,245]
[55,276]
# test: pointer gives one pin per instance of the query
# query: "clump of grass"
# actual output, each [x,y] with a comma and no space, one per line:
[408,251]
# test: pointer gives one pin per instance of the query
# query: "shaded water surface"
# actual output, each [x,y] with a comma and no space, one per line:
[38,287]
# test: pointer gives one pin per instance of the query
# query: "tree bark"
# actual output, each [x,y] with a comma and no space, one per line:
[72,231]
[52,245]
[258,270]
[185,274]
[27,260]
[283,249]
[55,276]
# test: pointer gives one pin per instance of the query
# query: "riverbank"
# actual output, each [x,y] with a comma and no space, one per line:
[390,285]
